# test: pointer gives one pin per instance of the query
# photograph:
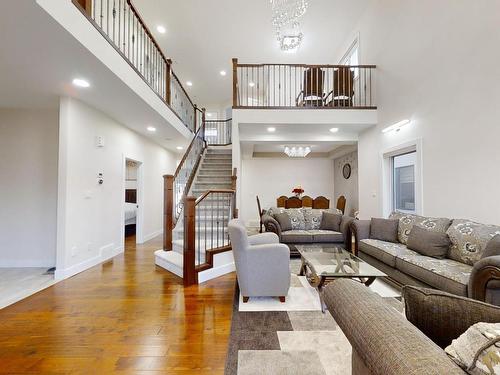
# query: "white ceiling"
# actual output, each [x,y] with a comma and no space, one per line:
[202,36]
[39,59]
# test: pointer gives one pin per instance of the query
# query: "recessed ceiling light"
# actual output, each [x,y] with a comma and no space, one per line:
[80,82]
[396,127]
[179,148]
[334,130]
[161,29]
[209,115]
[251,84]
[189,83]
[151,129]
[271,130]
[223,73]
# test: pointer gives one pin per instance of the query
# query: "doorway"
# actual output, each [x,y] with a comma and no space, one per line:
[133,202]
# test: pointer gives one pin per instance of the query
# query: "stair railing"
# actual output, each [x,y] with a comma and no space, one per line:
[177,186]
[218,132]
[205,229]
[121,25]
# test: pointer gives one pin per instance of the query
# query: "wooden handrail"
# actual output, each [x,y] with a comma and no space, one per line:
[226,120]
[179,167]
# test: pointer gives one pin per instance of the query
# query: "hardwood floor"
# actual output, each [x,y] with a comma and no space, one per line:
[124,316]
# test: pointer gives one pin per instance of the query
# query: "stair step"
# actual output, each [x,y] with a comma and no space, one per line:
[216,178]
[215,173]
[172,261]
[215,151]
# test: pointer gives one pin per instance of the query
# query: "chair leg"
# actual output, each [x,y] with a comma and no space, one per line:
[282,299]
[245,299]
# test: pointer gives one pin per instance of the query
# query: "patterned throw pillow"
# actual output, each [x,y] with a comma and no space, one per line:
[482,341]
[297,218]
[407,221]
[275,210]
[312,218]
[469,239]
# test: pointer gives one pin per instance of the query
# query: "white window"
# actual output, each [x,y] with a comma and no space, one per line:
[351,57]
[404,182]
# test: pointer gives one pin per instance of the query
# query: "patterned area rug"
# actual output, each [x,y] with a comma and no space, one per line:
[294,341]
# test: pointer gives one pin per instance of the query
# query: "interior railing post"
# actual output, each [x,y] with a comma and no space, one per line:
[234,179]
[190,275]
[235,82]
[168,209]
[195,118]
[168,93]
[203,123]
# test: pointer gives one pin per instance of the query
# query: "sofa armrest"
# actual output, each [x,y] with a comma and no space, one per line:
[345,229]
[443,316]
[263,238]
[271,225]
[484,281]
[360,229]
[383,339]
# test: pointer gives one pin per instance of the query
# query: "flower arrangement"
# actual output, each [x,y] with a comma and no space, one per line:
[298,191]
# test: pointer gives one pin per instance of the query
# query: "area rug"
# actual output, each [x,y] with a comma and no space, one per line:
[289,342]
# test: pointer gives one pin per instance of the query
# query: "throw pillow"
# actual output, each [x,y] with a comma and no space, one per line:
[407,221]
[492,247]
[469,240]
[384,229]
[330,221]
[312,218]
[297,218]
[426,242]
[284,221]
[477,350]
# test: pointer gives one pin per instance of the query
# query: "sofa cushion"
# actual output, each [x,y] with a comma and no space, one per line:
[386,252]
[321,235]
[384,229]
[407,221]
[284,221]
[331,221]
[312,218]
[297,218]
[469,239]
[492,247]
[426,242]
[444,274]
[296,236]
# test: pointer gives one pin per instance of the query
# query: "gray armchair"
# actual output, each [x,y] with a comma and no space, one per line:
[262,263]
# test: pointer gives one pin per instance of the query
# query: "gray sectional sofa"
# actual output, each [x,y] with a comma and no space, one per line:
[464,270]
[306,226]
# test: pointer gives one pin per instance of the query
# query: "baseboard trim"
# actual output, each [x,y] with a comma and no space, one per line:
[152,235]
[61,274]
[214,272]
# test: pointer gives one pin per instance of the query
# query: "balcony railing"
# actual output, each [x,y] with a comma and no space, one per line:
[218,132]
[299,86]
[122,26]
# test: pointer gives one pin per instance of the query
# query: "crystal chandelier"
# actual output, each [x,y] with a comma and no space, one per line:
[297,151]
[285,20]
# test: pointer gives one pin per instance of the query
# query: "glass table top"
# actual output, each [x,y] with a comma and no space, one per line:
[334,261]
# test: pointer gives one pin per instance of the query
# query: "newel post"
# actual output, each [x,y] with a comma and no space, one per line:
[189,273]
[86,5]
[168,211]
[195,106]
[234,178]
[203,111]
[168,75]
[235,82]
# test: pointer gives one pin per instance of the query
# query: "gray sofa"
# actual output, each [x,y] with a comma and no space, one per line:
[306,226]
[385,342]
[463,271]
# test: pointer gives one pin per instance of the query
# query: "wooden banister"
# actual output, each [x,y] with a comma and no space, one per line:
[190,276]
[168,89]
[168,209]
[235,82]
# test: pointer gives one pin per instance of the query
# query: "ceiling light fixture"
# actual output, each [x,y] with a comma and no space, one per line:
[297,151]
[161,29]
[334,130]
[397,126]
[180,148]
[285,20]
[223,73]
[271,130]
[251,84]
[189,83]
[151,129]
[80,82]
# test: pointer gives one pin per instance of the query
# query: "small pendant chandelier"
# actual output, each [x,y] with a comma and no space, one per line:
[285,20]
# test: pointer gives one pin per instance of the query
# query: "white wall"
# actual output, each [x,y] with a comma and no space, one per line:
[437,64]
[348,188]
[28,189]
[270,178]
[90,215]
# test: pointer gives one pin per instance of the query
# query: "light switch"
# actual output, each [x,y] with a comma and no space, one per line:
[99,141]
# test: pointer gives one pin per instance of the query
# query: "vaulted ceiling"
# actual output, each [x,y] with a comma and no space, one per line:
[203,35]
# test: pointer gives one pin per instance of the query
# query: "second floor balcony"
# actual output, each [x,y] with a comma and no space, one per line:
[302,86]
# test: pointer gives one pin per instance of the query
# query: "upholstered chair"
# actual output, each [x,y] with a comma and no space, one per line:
[262,263]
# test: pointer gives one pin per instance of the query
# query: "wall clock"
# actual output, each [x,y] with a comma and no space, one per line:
[346,171]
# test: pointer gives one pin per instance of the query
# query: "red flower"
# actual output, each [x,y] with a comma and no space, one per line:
[298,191]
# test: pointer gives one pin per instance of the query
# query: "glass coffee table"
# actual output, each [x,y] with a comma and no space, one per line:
[322,263]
